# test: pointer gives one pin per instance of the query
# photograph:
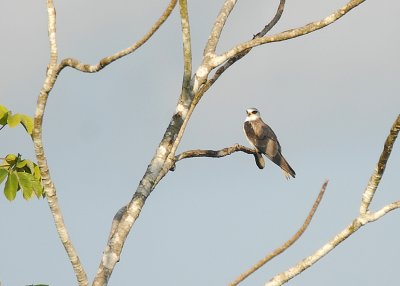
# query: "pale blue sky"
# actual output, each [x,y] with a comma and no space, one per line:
[331,98]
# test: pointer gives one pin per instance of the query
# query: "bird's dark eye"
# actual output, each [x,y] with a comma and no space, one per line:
[253,112]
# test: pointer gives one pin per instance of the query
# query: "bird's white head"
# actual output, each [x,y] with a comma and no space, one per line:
[252,114]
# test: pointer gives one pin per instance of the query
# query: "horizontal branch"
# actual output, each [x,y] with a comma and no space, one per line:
[222,153]
[76,64]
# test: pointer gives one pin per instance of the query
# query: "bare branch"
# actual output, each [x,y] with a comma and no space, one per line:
[218,26]
[386,209]
[76,64]
[234,59]
[116,220]
[187,51]
[357,223]
[288,243]
[222,153]
[49,187]
[161,163]
[273,22]
[380,167]
[362,219]
[286,35]
[51,11]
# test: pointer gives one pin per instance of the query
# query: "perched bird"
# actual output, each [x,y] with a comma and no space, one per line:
[261,136]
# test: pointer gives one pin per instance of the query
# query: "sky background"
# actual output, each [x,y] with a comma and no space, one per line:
[331,98]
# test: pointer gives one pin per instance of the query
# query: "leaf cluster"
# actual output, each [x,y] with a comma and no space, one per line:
[20,174]
[12,120]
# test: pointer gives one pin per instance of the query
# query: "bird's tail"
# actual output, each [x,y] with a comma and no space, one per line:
[281,162]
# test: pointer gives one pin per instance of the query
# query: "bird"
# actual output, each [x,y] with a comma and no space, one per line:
[264,140]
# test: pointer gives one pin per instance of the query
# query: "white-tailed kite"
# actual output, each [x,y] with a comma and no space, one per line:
[261,136]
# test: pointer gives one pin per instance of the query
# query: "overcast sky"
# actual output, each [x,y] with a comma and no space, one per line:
[331,98]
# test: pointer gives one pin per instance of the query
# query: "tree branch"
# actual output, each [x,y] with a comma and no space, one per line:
[185,98]
[236,58]
[219,24]
[159,166]
[76,64]
[286,35]
[49,187]
[287,244]
[187,48]
[221,153]
[362,219]
[161,163]
[380,167]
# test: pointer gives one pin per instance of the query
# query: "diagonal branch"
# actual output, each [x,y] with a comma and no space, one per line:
[286,35]
[49,187]
[362,219]
[219,24]
[236,58]
[76,64]
[287,244]
[380,167]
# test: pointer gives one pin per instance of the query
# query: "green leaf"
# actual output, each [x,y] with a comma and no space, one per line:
[25,181]
[13,120]
[11,188]
[37,173]
[3,110]
[3,120]
[27,122]
[38,188]
[3,174]
[21,164]
[11,159]
[30,167]
[3,115]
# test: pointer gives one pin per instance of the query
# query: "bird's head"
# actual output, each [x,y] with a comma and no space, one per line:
[252,114]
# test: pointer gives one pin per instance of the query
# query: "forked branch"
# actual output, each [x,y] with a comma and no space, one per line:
[53,71]
[236,58]
[362,219]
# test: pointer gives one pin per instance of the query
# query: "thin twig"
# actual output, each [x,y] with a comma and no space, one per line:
[380,167]
[76,64]
[287,244]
